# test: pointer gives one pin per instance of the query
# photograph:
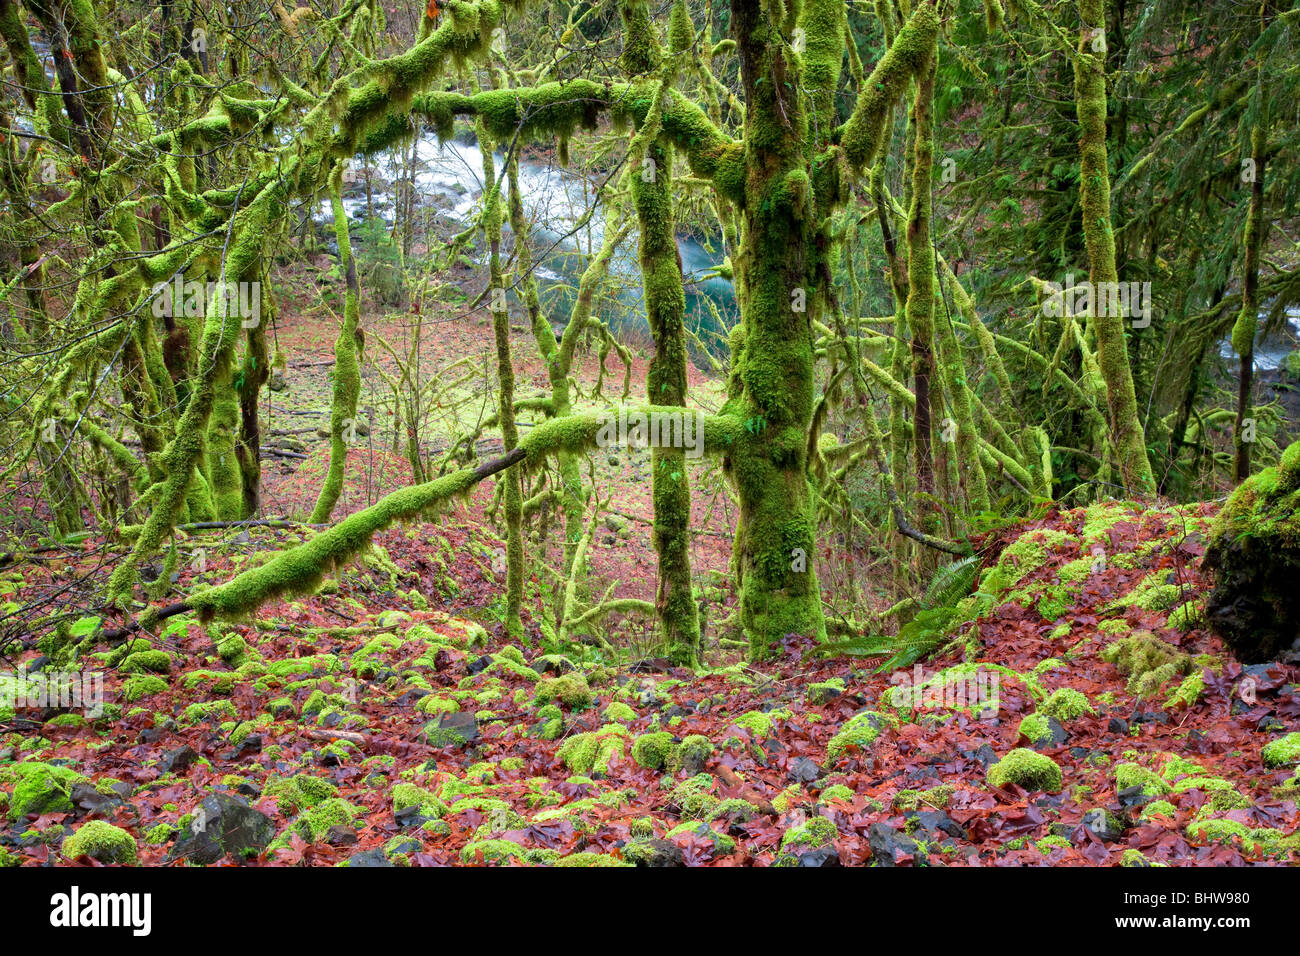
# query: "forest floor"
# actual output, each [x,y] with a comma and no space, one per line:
[384,720]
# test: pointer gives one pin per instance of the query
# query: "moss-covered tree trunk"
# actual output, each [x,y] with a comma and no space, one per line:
[771,384]
[1243,331]
[1099,238]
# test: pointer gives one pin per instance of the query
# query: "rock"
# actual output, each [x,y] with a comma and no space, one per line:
[887,844]
[479,664]
[653,853]
[178,760]
[1118,725]
[340,836]
[85,796]
[277,381]
[372,857]
[223,824]
[822,856]
[615,523]
[1103,824]
[803,770]
[451,730]
[932,822]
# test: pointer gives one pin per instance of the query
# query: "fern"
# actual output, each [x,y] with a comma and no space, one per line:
[925,632]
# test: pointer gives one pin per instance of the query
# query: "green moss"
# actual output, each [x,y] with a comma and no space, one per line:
[620,712]
[102,841]
[1128,775]
[1188,692]
[156,662]
[816,833]
[160,833]
[571,690]
[1035,728]
[1283,751]
[295,794]
[409,795]
[1066,704]
[1217,831]
[40,788]
[587,859]
[860,731]
[1049,843]
[652,750]
[820,693]
[1158,808]
[692,753]
[314,824]
[918,799]
[1133,857]
[1148,661]
[491,852]
[692,797]
[594,751]
[211,710]
[756,722]
[1029,769]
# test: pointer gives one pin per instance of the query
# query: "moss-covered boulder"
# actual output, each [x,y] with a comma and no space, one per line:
[1028,769]
[41,788]
[1254,552]
[102,841]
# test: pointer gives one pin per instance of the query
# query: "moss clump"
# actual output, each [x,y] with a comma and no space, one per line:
[692,797]
[147,662]
[594,751]
[490,852]
[135,688]
[641,828]
[315,823]
[1283,751]
[1188,692]
[1129,775]
[1147,661]
[756,722]
[211,710]
[409,795]
[1217,831]
[41,788]
[722,842]
[1049,843]
[619,712]
[734,810]
[652,750]
[1158,808]
[551,722]
[816,833]
[103,842]
[1135,858]
[939,796]
[820,693]
[860,731]
[1036,729]
[585,859]
[571,690]
[298,793]
[690,755]
[1066,704]
[1028,769]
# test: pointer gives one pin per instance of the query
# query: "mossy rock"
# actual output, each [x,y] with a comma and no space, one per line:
[102,841]
[1254,553]
[1028,769]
